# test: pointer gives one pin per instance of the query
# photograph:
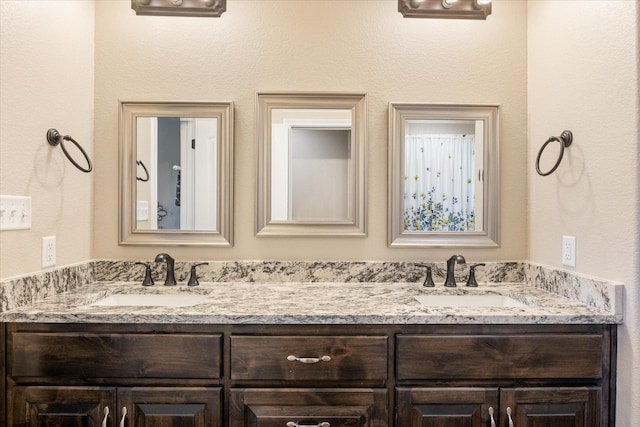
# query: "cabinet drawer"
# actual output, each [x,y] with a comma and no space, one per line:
[106,355]
[308,407]
[300,358]
[499,356]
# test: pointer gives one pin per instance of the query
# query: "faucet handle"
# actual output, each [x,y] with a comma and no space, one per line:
[428,280]
[471,282]
[148,280]
[193,278]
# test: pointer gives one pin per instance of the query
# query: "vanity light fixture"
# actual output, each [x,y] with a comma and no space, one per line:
[206,8]
[445,9]
[447,4]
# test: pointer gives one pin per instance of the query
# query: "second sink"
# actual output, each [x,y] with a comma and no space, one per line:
[468,301]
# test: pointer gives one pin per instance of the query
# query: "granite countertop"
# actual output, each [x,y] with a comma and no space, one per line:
[309,303]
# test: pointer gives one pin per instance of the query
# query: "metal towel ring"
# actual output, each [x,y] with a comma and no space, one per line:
[54,138]
[565,140]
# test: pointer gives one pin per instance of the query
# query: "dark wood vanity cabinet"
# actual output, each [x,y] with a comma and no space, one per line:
[477,406]
[523,378]
[309,375]
[96,375]
[324,380]
[111,406]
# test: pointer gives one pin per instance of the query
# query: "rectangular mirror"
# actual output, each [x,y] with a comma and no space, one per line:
[311,176]
[176,179]
[444,175]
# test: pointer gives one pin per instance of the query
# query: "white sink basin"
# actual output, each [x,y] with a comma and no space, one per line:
[468,301]
[151,300]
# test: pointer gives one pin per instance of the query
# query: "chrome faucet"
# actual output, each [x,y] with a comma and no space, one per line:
[450,281]
[171,277]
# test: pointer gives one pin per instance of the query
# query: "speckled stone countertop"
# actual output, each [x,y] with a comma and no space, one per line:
[309,303]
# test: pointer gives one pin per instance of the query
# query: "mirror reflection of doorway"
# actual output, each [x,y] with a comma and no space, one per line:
[318,170]
[186,182]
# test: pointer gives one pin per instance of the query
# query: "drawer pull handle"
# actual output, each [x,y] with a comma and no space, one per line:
[293,358]
[493,421]
[509,415]
[322,424]
[106,415]
[124,415]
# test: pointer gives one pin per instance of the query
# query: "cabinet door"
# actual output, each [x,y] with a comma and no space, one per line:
[61,406]
[293,407]
[446,406]
[551,406]
[170,406]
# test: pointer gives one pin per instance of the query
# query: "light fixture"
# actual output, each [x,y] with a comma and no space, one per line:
[207,8]
[447,4]
[445,9]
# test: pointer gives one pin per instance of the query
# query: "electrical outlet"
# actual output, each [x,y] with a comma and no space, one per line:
[48,251]
[569,251]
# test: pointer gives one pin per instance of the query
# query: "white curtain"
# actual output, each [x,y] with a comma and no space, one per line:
[439,182]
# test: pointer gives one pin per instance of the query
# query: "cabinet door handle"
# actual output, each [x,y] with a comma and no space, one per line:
[509,415]
[293,358]
[321,424]
[493,421]
[124,415]
[106,415]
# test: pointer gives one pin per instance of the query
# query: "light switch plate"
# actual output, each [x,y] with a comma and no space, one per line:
[15,212]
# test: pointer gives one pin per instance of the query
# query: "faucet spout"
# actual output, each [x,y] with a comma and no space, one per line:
[171,277]
[450,280]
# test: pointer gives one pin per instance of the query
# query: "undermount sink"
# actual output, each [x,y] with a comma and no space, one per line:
[468,301]
[151,300]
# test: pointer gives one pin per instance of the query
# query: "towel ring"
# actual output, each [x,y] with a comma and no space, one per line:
[54,138]
[565,140]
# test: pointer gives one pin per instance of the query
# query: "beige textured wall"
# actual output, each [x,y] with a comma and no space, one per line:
[583,76]
[358,46]
[46,80]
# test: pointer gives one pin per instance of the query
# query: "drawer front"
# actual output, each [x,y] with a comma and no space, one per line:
[300,358]
[499,356]
[308,407]
[97,355]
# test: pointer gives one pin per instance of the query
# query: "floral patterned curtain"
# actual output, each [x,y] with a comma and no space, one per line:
[439,188]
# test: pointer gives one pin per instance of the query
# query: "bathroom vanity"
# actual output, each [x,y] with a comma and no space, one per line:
[363,355]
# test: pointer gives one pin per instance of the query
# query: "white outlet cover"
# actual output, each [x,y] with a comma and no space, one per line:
[569,251]
[142,210]
[48,251]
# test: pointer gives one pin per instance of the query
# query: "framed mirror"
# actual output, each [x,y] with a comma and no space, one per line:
[444,175]
[312,154]
[176,173]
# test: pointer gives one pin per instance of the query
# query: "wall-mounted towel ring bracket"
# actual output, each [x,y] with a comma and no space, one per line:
[54,138]
[565,140]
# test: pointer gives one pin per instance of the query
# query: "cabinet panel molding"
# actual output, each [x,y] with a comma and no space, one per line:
[445,406]
[260,357]
[110,355]
[494,357]
[554,406]
[278,406]
[194,406]
[61,406]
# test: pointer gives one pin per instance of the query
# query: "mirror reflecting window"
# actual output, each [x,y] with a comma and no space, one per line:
[312,154]
[176,178]
[443,175]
